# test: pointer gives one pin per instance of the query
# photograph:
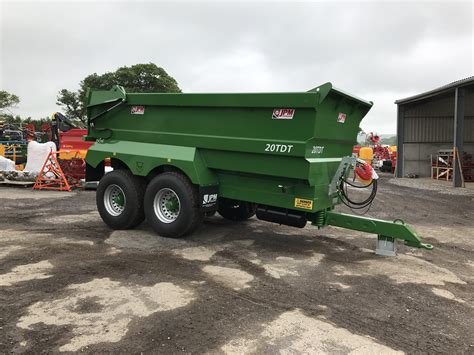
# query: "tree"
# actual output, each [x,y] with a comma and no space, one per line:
[10,119]
[136,78]
[8,100]
[70,101]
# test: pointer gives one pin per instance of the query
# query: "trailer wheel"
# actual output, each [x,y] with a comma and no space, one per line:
[236,210]
[172,205]
[119,199]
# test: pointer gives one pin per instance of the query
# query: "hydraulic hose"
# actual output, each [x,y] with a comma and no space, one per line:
[357,204]
[361,167]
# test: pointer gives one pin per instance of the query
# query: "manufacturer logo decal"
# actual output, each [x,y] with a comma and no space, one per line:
[209,199]
[283,113]
[341,118]
[302,203]
[137,110]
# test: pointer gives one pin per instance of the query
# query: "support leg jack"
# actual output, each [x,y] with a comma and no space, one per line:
[386,246]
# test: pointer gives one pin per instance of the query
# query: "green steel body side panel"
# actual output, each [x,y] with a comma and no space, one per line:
[142,158]
[273,191]
[251,156]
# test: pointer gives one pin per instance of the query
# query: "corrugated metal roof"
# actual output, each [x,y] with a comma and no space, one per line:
[440,90]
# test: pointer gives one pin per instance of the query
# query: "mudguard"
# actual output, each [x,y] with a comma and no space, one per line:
[142,158]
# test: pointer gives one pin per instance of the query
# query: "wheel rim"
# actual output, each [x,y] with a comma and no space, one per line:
[114,200]
[167,205]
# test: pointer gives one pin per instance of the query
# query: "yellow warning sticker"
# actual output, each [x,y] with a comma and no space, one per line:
[302,203]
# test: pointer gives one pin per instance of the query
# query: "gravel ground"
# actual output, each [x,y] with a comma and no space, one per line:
[69,283]
[441,186]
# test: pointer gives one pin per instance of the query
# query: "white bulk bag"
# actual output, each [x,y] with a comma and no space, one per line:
[6,164]
[37,154]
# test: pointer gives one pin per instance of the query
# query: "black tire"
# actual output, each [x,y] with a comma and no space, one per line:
[236,210]
[189,215]
[133,187]
[210,214]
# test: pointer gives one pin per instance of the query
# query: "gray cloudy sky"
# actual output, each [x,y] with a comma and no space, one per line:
[378,50]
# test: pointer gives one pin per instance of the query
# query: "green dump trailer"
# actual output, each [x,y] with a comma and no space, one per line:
[178,157]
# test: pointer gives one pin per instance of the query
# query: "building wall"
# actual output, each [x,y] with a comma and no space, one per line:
[417,156]
[429,127]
